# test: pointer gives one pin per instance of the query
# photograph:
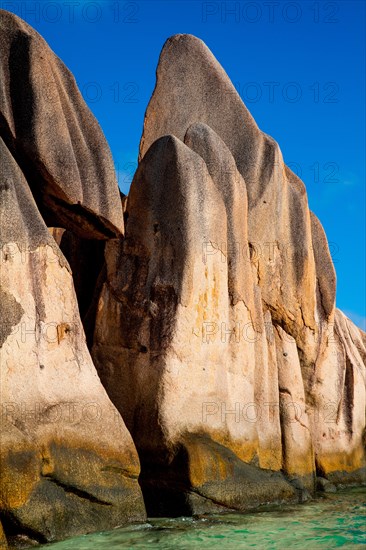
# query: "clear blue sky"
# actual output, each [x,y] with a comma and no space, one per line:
[299,66]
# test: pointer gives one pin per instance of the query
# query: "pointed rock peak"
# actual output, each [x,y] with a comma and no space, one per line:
[184,47]
[209,145]
[191,86]
[162,168]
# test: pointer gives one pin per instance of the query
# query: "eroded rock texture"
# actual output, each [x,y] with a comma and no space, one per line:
[54,137]
[212,322]
[216,335]
[68,464]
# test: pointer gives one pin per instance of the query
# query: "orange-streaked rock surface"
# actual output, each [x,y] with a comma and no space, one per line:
[216,334]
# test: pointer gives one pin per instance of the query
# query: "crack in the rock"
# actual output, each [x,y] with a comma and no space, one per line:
[118,470]
[75,491]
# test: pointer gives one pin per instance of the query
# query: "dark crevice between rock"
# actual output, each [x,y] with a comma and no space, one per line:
[89,318]
[165,486]
[283,445]
[86,259]
[319,470]
[15,530]
[348,396]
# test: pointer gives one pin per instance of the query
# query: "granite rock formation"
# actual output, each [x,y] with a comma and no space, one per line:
[216,334]
[54,137]
[225,369]
[68,464]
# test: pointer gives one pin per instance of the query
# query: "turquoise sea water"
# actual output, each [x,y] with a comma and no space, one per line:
[330,521]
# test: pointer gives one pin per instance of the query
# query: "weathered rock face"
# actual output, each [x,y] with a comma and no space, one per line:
[338,410]
[54,137]
[167,298]
[279,223]
[216,333]
[212,322]
[68,464]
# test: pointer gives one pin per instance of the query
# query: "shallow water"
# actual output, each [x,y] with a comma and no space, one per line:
[331,521]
